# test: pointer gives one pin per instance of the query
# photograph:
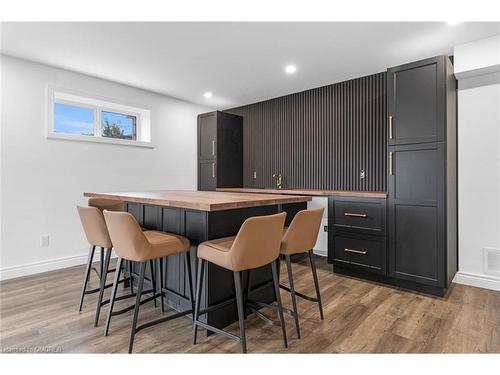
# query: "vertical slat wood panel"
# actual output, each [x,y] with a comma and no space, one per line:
[320,138]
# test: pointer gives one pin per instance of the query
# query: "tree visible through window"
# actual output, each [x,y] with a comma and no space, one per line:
[118,125]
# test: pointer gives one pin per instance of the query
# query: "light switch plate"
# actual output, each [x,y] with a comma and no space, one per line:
[44,240]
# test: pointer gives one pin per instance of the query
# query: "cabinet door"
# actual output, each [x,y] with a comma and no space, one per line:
[416,213]
[207,136]
[207,175]
[416,101]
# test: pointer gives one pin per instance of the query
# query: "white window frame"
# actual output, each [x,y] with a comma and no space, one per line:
[98,105]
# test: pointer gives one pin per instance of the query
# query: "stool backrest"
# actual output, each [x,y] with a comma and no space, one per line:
[128,239]
[258,241]
[303,231]
[106,204]
[94,226]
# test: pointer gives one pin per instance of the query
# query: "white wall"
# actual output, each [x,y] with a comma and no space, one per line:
[43,179]
[478,161]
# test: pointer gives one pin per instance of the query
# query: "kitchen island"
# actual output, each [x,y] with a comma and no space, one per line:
[202,216]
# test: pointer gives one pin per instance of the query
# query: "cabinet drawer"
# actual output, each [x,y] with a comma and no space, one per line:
[362,253]
[366,216]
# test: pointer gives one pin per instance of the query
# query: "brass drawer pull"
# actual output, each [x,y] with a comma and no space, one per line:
[362,252]
[354,215]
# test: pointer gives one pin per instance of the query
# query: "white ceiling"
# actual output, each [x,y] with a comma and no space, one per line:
[240,63]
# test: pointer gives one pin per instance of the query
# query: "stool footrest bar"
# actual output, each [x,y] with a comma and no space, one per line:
[312,299]
[131,307]
[263,316]
[217,330]
[162,320]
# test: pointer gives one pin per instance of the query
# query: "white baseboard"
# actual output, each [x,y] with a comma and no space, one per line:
[44,266]
[480,281]
[320,252]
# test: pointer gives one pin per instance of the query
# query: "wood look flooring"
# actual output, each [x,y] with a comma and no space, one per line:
[360,317]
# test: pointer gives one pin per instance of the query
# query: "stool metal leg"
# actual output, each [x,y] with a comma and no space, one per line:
[153,278]
[103,284]
[199,284]
[119,263]
[292,292]
[86,276]
[160,270]
[240,305]
[190,280]
[316,284]
[278,300]
[129,262]
[101,264]
[249,289]
[137,305]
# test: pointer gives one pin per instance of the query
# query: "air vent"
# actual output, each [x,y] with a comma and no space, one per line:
[491,261]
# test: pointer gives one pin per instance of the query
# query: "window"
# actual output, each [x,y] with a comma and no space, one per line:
[84,118]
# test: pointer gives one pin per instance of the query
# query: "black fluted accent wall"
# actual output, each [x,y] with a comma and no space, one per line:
[320,138]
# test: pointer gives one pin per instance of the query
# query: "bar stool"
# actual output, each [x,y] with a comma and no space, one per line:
[97,235]
[300,237]
[257,244]
[132,244]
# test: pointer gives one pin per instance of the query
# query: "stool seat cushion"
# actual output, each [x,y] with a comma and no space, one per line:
[217,251]
[165,244]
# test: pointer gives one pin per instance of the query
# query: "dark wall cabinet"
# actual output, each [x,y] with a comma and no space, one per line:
[220,150]
[422,200]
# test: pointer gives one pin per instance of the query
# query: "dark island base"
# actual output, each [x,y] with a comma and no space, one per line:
[404,284]
[199,226]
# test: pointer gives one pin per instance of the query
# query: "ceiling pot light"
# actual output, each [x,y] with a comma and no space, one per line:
[207,95]
[453,23]
[290,69]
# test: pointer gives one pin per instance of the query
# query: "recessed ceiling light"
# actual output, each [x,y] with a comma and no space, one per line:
[290,69]
[207,95]
[453,23]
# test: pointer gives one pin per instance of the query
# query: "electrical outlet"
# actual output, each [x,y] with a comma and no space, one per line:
[254,175]
[44,240]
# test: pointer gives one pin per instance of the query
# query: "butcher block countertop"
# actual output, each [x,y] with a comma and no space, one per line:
[201,200]
[309,192]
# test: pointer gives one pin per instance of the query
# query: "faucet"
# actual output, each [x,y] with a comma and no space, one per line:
[278,180]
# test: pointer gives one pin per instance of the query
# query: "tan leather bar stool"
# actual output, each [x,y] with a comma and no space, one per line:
[300,237]
[97,235]
[257,244]
[132,244]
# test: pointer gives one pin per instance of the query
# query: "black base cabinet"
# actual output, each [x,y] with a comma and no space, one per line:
[357,234]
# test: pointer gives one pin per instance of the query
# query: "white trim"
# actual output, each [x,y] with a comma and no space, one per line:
[480,281]
[45,265]
[87,138]
[320,252]
[65,96]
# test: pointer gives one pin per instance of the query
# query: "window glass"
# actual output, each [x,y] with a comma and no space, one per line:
[72,119]
[118,125]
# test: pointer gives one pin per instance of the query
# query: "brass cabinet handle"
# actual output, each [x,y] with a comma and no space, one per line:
[362,252]
[390,163]
[355,215]
[213,170]
[390,127]
[213,147]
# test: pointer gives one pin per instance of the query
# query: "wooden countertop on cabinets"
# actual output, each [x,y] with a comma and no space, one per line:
[201,200]
[309,192]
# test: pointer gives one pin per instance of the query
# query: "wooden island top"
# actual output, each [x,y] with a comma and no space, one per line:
[310,192]
[201,200]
